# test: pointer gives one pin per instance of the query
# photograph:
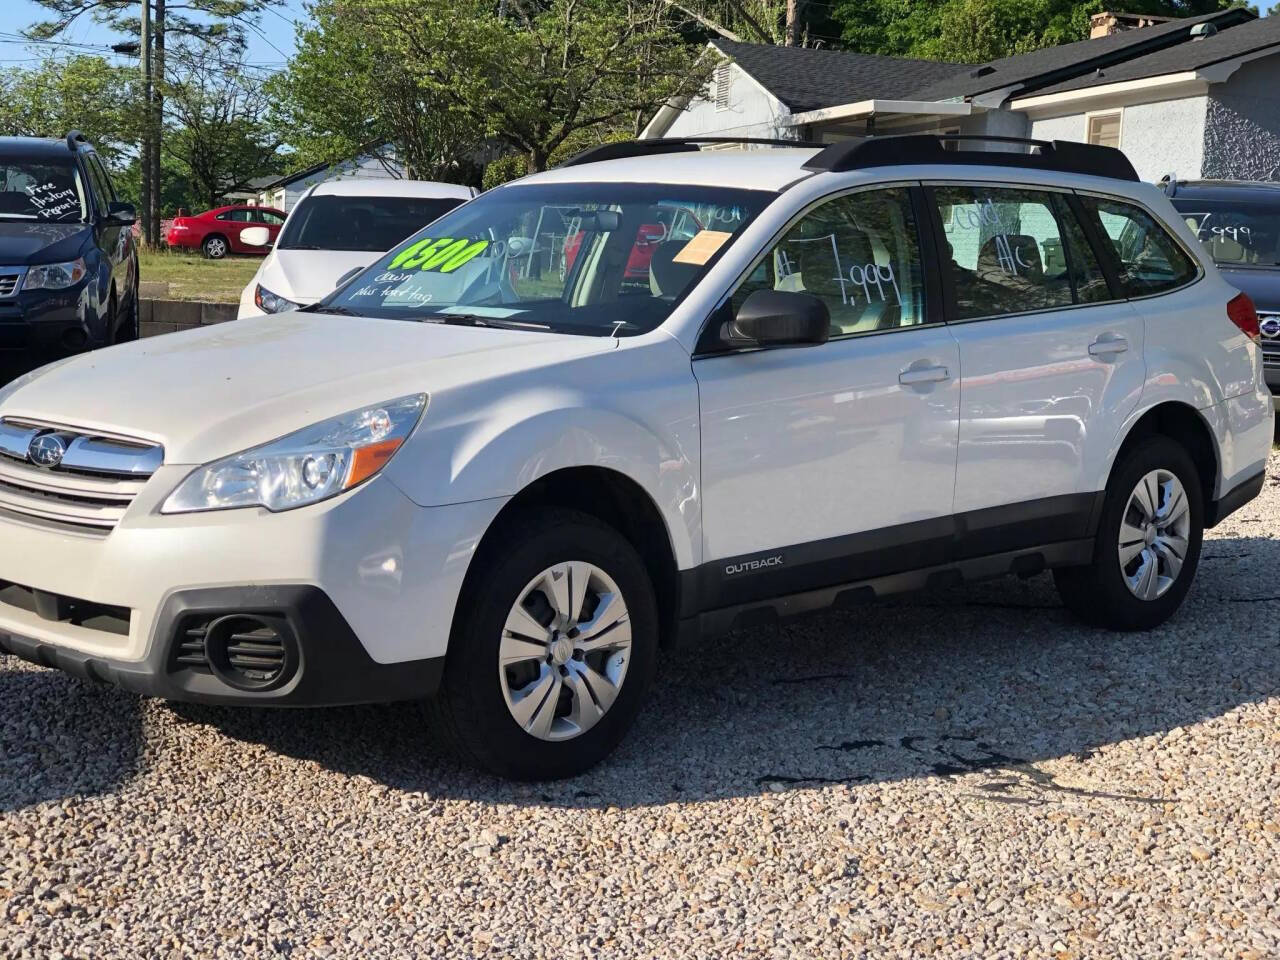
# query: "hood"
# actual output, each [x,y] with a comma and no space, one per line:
[216,390]
[25,242]
[304,276]
[1261,284]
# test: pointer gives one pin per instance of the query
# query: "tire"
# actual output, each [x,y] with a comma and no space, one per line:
[215,247]
[128,331]
[1100,594]
[478,700]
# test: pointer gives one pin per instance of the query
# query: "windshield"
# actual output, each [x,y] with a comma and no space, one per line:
[1238,236]
[39,190]
[597,258]
[367,224]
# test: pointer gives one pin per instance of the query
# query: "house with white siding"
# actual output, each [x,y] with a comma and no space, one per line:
[1195,98]
[283,192]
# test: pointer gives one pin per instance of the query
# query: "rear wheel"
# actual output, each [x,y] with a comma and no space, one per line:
[215,248]
[1148,542]
[553,650]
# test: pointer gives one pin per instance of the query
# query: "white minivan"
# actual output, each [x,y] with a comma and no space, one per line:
[336,227]
[655,392]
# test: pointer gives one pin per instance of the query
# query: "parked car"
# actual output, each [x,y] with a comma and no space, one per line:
[1239,224]
[68,262]
[870,370]
[340,226]
[216,232]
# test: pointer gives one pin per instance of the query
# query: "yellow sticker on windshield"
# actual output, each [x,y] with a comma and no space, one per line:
[702,247]
[444,254]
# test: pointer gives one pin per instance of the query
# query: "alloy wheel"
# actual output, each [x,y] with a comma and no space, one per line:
[564,652]
[1155,534]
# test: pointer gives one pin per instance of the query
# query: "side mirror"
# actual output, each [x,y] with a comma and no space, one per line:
[121,214]
[778,317]
[255,236]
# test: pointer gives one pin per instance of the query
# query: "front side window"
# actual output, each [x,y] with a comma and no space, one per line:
[42,191]
[366,224]
[1147,259]
[582,258]
[859,254]
[1015,251]
[1236,235]
[269,217]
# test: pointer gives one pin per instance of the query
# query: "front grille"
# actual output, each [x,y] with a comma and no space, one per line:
[90,483]
[59,608]
[9,280]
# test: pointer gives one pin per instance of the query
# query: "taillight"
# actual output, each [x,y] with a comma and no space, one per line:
[1240,311]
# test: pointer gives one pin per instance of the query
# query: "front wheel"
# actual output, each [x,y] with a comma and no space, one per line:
[1148,542]
[554,647]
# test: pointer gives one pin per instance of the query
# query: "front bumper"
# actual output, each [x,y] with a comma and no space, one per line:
[390,569]
[327,664]
[47,325]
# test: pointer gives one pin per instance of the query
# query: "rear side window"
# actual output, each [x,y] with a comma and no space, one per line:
[1148,259]
[1015,251]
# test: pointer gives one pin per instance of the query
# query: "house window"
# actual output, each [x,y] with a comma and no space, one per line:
[722,80]
[1104,129]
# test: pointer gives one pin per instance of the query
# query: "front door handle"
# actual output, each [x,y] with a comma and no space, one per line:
[914,375]
[1108,345]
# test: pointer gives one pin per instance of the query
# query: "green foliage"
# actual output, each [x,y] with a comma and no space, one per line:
[77,93]
[223,21]
[441,80]
[978,31]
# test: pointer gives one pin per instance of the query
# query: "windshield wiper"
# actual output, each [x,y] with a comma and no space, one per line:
[475,320]
[340,311]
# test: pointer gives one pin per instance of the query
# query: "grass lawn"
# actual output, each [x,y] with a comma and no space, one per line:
[192,277]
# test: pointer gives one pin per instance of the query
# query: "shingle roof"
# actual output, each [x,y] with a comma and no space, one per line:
[1224,45]
[1055,65]
[805,79]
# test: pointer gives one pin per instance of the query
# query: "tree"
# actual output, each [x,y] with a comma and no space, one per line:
[546,70]
[211,21]
[82,93]
[219,137]
[978,31]
[348,92]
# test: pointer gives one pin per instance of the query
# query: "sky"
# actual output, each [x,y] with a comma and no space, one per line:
[270,45]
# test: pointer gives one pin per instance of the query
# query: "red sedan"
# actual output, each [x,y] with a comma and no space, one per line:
[217,232]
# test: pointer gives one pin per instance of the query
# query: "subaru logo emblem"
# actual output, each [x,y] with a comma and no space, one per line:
[1270,327]
[47,450]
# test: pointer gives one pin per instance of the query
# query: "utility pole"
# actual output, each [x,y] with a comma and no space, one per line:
[793,23]
[148,237]
[157,120]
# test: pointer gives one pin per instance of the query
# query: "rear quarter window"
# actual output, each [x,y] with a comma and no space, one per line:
[1146,257]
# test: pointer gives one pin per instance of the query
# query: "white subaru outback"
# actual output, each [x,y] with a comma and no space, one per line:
[653,392]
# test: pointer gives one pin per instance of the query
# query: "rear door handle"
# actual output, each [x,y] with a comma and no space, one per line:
[1106,346]
[914,375]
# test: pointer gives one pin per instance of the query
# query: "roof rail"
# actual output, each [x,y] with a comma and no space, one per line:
[74,137]
[660,145]
[1062,155]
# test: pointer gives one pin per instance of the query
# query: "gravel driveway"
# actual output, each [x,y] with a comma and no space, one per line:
[969,774]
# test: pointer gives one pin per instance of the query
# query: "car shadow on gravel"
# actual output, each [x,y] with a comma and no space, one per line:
[990,679]
[61,737]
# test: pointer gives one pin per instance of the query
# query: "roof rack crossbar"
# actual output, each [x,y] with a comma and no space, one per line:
[661,145]
[1061,155]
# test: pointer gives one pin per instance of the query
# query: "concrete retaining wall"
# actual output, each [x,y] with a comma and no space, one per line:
[169,316]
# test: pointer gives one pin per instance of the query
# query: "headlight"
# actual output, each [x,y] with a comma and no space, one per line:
[305,467]
[55,276]
[269,302]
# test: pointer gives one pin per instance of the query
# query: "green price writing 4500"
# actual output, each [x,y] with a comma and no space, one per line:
[445,254]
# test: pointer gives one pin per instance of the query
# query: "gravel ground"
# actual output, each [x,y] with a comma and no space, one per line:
[960,775]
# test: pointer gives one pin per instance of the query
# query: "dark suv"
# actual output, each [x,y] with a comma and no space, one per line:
[1239,224]
[68,259]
